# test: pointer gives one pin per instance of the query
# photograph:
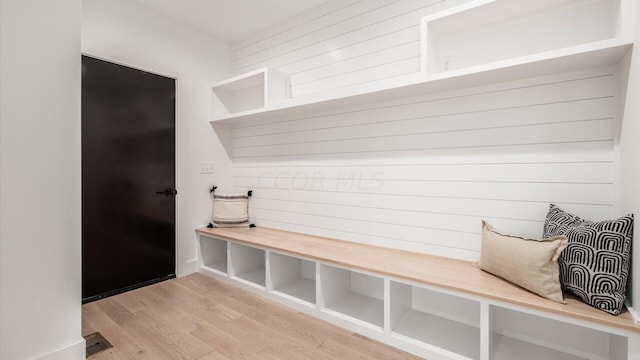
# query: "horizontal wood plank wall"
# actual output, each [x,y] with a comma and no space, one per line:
[418,173]
[342,43]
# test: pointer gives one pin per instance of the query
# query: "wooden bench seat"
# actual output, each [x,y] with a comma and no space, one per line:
[446,273]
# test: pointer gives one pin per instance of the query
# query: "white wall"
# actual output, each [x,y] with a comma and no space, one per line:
[341,43]
[40,229]
[418,173]
[630,153]
[124,32]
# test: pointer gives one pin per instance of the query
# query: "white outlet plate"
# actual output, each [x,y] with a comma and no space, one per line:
[206,168]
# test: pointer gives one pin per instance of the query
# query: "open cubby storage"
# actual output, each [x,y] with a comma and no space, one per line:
[293,277]
[448,322]
[434,307]
[213,254]
[248,264]
[518,335]
[250,91]
[359,296]
[488,31]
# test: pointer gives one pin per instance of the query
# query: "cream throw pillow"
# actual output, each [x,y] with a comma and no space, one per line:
[230,210]
[529,263]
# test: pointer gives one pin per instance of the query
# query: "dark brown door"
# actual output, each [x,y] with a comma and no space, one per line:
[128,178]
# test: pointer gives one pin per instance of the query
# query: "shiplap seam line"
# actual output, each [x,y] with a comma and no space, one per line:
[367,221]
[454,97]
[438,181]
[301,35]
[343,60]
[422,164]
[423,117]
[280,66]
[407,210]
[416,149]
[415,211]
[263,60]
[386,136]
[457,197]
[365,234]
[351,71]
[290,28]
[356,84]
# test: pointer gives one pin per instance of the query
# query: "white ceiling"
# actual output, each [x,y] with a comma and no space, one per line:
[230,20]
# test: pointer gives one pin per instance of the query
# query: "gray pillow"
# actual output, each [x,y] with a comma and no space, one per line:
[595,264]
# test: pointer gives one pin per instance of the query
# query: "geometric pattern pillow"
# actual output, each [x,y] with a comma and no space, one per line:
[230,210]
[595,264]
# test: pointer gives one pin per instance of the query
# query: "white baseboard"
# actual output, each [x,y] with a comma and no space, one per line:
[75,351]
[190,267]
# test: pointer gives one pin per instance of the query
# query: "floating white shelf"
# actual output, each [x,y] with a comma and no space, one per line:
[602,53]
[488,31]
[473,45]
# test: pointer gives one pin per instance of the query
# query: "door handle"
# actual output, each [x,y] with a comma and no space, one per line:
[168,192]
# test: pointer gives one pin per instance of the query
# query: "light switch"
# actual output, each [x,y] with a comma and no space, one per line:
[206,168]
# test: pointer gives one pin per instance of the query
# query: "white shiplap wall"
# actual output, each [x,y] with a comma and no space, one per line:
[417,173]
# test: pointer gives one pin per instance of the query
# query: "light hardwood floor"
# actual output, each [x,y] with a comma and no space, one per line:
[197,317]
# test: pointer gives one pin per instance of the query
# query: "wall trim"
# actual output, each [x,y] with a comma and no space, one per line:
[190,267]
[75,351]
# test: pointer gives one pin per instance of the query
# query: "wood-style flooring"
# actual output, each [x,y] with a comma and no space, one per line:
[197,317]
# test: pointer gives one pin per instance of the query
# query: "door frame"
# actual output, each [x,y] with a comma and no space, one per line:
[176,149]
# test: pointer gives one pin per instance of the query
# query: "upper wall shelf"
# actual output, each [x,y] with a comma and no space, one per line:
[256,90]
[481,42]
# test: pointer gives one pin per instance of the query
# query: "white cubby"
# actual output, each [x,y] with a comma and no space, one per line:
[293,277]
[251,91]
[448,322]
[488,31]
[248,264]
[213,253]
[430,320]
[359,296]
[525,336]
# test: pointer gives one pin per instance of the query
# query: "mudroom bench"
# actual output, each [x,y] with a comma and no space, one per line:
[434,307]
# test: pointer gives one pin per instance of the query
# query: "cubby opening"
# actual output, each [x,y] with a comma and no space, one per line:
[250,91]
[294,277]
[449,322]
[213,254]
[359,296]
[248,264]
[506,29]
[522,336]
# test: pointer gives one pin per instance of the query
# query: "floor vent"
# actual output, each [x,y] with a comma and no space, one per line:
[96,343]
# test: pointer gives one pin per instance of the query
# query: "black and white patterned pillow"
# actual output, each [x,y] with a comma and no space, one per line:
[595,264]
